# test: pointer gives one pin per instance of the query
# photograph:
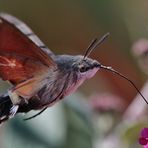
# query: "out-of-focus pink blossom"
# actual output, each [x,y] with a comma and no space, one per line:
[106,102]
[140,47]
[143,140]
[140,50]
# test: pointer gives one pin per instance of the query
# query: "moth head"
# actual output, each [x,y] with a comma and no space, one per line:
[83,68]
[81,65]
[86,68]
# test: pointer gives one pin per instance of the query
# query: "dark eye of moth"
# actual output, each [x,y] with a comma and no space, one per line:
[84,69]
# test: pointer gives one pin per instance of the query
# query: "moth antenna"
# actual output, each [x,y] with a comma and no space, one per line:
[121,75]
[94,43]
[89,47]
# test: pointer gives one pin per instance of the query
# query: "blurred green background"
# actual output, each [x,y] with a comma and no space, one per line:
[67,27]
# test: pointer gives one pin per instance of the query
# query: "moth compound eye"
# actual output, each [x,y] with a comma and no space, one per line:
[83,69]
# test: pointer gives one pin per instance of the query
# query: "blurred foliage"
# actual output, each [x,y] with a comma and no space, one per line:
[67,27]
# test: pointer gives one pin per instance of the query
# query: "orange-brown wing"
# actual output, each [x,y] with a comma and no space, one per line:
[21,56]
[17,68]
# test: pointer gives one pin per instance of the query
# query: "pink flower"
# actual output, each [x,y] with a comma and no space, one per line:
[143,140]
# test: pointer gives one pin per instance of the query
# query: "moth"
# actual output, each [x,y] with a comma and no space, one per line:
[39,78]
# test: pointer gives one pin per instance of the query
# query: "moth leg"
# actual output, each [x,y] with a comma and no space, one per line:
[35,114]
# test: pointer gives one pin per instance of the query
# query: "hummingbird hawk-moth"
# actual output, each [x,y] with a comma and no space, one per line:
[39,77]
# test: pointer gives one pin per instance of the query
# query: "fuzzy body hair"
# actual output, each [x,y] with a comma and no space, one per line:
[62,82]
